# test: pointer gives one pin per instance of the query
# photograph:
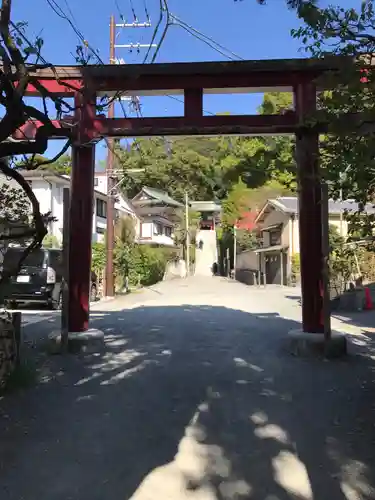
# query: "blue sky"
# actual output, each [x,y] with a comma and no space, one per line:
[246,28]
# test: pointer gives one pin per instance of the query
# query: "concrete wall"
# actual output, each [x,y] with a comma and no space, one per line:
[247,267]
[247,260]
[175,270]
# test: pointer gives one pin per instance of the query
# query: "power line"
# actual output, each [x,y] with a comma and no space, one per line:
[205,38]
[59,12]
[133,11]
[160,20]
[70,11]
[146,10]
[119,11]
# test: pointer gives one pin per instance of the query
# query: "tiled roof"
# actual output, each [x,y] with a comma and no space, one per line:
[160,196]
[205,206]
[289,204]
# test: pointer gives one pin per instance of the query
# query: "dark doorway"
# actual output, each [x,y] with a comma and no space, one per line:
[274,261]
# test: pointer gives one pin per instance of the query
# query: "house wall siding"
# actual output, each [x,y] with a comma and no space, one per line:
[277,217]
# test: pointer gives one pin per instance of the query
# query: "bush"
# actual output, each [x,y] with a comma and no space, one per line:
[142,264]
[98,259]
[296,268]
[51,241]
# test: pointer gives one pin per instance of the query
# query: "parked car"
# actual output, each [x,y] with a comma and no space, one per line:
[40,278]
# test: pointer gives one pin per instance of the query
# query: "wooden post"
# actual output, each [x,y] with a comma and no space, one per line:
[17,328]
[80,214]
[310,210]
[65,283]
[325,257]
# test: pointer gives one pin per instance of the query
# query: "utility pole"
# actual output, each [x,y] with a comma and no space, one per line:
[187,234]
[109,278]
[341,216]
[109,290]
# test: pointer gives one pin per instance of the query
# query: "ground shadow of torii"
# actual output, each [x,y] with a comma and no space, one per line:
[206,396]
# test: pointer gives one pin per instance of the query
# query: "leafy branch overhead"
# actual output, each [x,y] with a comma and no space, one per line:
[20,58]
[347,152]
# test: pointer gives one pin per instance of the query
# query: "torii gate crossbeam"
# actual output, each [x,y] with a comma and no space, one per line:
[192,80]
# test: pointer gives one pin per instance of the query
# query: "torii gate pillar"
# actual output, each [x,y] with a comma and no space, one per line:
[310,211]
[81,215]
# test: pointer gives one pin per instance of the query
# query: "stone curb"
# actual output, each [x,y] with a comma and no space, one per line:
[90,341]
[314,344]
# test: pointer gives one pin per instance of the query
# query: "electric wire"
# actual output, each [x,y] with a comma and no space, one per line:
[208,38]
[57,9]
[206,42]
[160,20]
[146,10]
[119,11]
[59,12]
[133,10]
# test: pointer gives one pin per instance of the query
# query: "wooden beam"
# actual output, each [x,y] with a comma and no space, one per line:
[153,79]
[174,126]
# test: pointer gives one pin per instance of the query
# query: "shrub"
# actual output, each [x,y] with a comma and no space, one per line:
[296,268]
[142,264]
[98,259]
[51,241]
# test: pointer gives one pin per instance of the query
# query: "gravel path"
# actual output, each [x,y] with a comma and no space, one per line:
[194,398]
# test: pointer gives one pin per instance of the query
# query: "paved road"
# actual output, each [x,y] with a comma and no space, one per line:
[195,397]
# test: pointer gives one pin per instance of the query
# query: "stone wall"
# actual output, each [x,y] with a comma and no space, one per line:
[175,270]
[7,347]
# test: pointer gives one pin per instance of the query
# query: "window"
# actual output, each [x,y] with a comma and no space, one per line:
[168,231]
[100,230]
[158,228]
[96,182]
[101,208]
[275,238]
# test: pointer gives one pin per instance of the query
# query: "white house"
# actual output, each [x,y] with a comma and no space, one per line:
[158,214]
[153,211]
[48,188]
[123,206]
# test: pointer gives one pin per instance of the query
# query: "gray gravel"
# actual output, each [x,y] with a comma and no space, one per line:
[196,397]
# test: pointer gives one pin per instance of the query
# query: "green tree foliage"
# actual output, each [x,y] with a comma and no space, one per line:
[180,228]
[177,166]
[62,165]
[14,215]
[14,207]
[258,160]
[50,241]
[98,258]
[207,168]
[235,205]
[139,264]
[342,261]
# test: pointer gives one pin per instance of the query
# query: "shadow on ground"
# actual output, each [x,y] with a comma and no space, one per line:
[191,402]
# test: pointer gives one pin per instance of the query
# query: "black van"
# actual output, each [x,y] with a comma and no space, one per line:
[40,278]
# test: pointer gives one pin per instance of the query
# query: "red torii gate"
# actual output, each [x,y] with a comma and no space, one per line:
[86,84]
